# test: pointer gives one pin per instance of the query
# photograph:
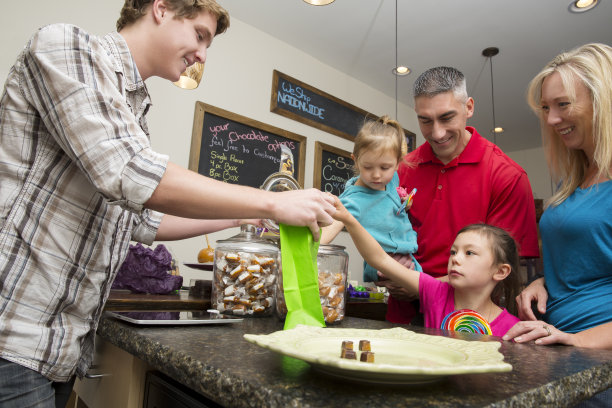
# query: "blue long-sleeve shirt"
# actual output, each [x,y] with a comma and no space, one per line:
[377,210]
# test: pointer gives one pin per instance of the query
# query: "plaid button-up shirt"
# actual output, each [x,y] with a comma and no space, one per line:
[76,167]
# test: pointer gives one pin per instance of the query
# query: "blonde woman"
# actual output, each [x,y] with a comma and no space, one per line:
[573,97]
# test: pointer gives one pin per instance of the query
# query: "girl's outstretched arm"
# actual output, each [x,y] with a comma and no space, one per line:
[373,253]
[331,231]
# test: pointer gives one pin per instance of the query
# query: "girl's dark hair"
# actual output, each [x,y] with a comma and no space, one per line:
[505,251]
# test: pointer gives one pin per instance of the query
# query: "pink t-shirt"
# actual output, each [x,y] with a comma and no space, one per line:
[438,300]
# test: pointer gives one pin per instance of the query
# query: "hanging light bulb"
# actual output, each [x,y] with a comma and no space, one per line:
[490,53]
[190,79]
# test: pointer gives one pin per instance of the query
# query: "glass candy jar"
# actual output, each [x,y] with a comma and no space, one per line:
[245,272]
[332,262]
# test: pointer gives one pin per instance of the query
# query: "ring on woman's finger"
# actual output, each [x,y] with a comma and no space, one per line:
[547,330]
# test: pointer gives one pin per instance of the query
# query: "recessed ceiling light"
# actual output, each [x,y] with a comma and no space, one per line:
[498,130]
[401,70]
[319,2]
[580,6]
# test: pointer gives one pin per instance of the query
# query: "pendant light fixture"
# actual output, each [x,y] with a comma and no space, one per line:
[580,6]
[190,79]
[399,70]
[319,2]
[490,53]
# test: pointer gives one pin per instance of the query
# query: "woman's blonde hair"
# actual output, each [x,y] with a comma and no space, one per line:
[381,135]
[591,64]
[134,9]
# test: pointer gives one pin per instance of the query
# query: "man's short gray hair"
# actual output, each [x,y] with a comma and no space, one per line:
[439,80]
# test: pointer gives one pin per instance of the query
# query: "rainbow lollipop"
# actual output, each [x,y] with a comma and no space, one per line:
[466,320]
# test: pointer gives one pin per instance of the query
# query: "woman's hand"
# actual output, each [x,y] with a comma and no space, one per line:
[536,292]
[542,332]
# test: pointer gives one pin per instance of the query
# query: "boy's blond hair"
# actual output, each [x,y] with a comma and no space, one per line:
[134,9]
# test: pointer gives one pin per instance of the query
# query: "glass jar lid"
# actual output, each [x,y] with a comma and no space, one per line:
[281,181]
[247,240]
[330,248]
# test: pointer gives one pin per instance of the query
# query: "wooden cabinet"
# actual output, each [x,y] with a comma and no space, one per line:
[121,382]
[163,392]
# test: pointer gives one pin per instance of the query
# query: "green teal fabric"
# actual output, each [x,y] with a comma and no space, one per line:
[300,277]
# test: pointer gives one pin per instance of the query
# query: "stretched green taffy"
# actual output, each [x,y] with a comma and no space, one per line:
[300,277]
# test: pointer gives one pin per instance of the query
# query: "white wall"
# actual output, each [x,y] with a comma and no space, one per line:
[238,78]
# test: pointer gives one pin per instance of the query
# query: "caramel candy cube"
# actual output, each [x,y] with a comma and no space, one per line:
[338,279]
[348,354]
[347,344]
[232,257]
[331,315]
[335,301]
[254,268]
[364,345]
[244,276]
[367,356]
[235,272]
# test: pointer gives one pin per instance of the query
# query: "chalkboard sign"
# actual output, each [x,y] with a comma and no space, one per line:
[238,150]
[301,102]
[296,100]
[333,168]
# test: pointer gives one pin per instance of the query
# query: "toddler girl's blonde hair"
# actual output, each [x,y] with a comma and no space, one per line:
[381,135]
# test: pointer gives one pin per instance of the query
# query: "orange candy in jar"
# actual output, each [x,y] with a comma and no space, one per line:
[332,262]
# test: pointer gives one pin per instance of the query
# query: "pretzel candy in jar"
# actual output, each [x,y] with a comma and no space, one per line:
[332,262]
[245,272]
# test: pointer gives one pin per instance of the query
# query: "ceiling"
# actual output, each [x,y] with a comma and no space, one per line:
[358,37]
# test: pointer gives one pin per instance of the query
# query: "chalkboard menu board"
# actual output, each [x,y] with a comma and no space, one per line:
[333,168]
[238,150]
[301,102]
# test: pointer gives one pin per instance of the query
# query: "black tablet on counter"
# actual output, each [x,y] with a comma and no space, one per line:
[160,318]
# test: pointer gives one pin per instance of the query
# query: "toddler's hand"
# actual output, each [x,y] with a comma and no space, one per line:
[341,213]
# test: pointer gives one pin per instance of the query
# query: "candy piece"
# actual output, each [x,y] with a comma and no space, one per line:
[230,256]
[348,354]
[331,315]
[244,277]
[466,320]
[235,272]
[335,301]
[256,287]
[364,345]
[265,261]
[367,356]
[324,290]
[347,344]
[258,308]
[230,290]
[254,268]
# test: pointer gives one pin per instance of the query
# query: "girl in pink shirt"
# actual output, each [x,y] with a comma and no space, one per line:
[482,271]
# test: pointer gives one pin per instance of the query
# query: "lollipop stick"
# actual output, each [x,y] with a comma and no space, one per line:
[207,243]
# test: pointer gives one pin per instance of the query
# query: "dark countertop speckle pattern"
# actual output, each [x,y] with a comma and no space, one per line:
[217,362]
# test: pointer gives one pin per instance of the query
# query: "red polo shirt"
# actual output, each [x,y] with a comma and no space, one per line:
[482,184]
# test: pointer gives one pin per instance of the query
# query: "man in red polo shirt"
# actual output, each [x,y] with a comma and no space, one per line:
[461,178]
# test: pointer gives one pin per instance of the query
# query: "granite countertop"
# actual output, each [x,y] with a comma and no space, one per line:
[217,362]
